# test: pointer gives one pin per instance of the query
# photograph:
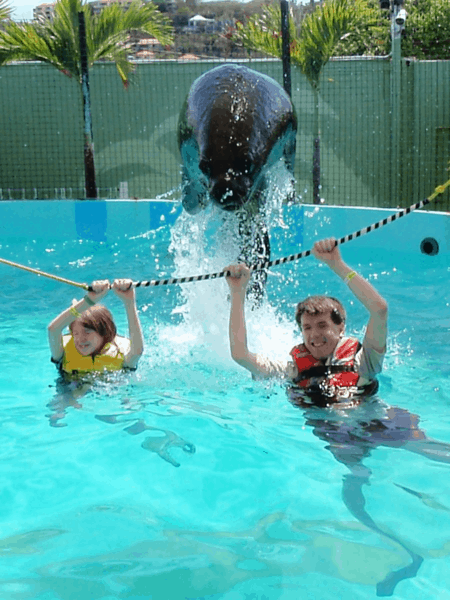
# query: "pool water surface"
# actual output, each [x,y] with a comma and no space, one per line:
[189,480]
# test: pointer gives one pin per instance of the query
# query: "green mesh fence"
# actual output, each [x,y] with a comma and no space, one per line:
[135,131]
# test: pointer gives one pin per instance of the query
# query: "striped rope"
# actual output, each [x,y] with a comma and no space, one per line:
[280,261]
[84,286]
[256,267]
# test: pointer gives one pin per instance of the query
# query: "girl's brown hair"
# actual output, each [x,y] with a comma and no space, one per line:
[99,319]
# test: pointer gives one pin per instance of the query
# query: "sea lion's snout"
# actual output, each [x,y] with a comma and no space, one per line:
[230,191]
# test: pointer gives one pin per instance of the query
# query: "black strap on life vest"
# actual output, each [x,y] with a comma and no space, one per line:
[322,371]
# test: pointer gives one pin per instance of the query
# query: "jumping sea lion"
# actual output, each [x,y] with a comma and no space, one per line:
[235,125]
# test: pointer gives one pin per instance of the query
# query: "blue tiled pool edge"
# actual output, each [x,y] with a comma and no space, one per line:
[109,219]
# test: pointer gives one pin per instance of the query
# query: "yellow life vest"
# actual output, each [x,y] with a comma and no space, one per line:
[111,358]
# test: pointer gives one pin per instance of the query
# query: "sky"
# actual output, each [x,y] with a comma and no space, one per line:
[22,9]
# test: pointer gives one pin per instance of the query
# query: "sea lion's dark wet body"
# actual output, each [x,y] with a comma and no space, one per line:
[236,124]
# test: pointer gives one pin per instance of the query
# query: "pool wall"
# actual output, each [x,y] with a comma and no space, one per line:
[111,219]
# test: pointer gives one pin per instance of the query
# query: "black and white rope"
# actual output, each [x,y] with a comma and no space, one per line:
[280,261]
[256,267]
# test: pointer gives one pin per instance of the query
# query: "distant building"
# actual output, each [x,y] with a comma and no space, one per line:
[199,23]
[47,11]
[144,47]
[150,44]
[98,5]
[145,55]
[44,11]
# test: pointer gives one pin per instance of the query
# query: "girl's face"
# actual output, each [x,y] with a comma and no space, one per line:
[320,334]
[87,341]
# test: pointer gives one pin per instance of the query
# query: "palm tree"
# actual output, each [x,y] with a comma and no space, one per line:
[311,48]
[5,10]
[57,42]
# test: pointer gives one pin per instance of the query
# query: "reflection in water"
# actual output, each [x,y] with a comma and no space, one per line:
[350,435]
[193,564]
[351,438]
[27,543]
[154,443]
[161,441]
[67,395]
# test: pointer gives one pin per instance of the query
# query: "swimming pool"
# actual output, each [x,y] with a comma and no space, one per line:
[187,479]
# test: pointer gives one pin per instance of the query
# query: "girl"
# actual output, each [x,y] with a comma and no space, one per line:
[93,344]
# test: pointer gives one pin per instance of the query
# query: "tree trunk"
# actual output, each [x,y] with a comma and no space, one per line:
[89,166]
[316,151]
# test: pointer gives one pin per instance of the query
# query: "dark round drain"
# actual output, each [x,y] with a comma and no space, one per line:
[429,246]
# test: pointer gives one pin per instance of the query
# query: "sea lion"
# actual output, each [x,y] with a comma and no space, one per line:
[235,125]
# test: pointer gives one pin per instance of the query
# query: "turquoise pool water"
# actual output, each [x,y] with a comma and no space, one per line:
[188,480]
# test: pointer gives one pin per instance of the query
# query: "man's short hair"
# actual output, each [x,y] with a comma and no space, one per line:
[321,305]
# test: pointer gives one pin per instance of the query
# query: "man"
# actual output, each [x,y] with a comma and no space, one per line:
[328,367]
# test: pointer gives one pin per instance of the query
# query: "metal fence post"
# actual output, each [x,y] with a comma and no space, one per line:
[89,166]
[285,41]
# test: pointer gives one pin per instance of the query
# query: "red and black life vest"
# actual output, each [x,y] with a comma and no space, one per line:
[340,372]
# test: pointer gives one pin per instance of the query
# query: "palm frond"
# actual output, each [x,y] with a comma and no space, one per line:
[57,41]
[108,33]
[262,32]
[5,10]
[320,33]
[114,22]
[23,41]
[314,44]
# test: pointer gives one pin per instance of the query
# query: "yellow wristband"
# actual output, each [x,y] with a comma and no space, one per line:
[74,312]
[349,277]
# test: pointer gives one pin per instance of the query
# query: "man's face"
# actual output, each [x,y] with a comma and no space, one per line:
[320,334]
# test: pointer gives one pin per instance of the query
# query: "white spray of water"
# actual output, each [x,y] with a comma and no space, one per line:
[206,243]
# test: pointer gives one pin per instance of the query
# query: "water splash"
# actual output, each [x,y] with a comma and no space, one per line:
[207,243]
